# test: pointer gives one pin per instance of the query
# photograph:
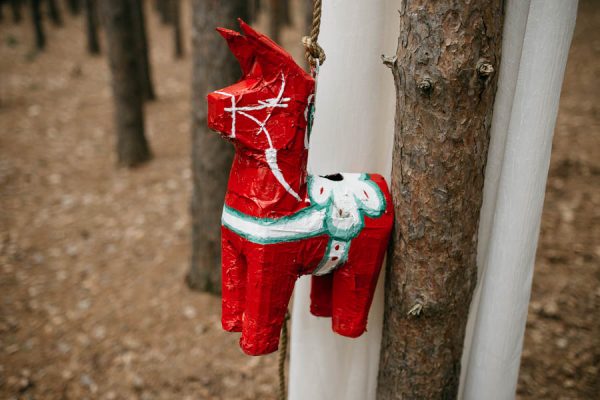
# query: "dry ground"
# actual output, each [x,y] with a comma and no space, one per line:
[92,258]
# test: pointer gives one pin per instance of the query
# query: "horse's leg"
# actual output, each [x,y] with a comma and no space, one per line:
[233,284]
[268,291]
[320,295]
[354,286]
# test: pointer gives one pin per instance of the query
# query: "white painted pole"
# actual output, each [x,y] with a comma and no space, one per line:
[353,132]
[509,234]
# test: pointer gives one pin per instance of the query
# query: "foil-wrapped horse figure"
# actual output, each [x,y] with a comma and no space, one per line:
[279,222]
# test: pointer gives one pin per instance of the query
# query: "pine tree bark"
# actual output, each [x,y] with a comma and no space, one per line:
[213,67]
[444,76]
[141,50]
[132,147]
[91,18]
[54,13]
[36,17]
[176,16]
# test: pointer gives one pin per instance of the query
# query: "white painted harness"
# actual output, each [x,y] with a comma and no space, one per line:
[337,209]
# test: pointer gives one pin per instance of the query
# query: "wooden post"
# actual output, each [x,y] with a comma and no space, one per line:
[132,147]
[444,73]
[214,67]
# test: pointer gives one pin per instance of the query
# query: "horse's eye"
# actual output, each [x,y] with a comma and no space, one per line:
[334,177]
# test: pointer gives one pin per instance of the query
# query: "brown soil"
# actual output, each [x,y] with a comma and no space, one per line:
[92,258]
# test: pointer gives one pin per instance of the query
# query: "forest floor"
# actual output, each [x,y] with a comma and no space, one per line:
[92,257]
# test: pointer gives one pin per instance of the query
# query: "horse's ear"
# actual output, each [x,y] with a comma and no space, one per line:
[241,48]
[272,58]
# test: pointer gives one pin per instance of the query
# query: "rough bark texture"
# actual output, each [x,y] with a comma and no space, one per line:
[132,147]
[36,17]
[213,68]
[176,15]
[445,84]
[91,19]
[141,50]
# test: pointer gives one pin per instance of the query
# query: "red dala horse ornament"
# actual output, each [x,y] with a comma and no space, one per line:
[279,222]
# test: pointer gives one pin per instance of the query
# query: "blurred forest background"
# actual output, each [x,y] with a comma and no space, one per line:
[93,300]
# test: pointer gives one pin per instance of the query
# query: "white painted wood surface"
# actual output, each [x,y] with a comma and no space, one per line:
[535,50]
[353,132]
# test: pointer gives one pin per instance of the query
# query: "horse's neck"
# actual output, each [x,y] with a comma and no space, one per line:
[269,184]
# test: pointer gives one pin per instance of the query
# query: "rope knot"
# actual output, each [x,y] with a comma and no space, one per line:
[313,51]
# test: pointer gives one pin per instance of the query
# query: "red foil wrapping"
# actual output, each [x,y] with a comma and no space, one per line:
[280,223]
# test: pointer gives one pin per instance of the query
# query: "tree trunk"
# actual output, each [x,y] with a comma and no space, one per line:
[162,6]
[15,6]
[286,13]
[36,16]
[176,15]
[141,50]
[91,18]
[213,67]
[253,10]
[445,86]
[54,13]
[74,6]
[275,20]
[132,147]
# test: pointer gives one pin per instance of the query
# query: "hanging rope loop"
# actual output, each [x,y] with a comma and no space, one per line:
[314,52]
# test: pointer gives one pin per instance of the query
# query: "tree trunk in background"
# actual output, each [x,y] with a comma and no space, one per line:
[445,84]
[162,6]
[286,13]
[74,6]
[275,20]
[54,13]
[176,15]
[36,16]
[91,18]
[141,50]
[253,10]
[132,147]
[15,6]
[213,67]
